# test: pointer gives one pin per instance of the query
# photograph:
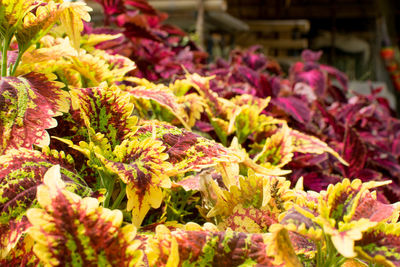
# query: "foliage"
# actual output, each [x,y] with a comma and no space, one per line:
[314,99]
[134,166]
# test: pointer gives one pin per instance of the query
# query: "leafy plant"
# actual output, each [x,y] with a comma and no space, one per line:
[133,165]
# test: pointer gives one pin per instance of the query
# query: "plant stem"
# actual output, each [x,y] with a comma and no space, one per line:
[110,189]
[6,44]
[14,69]
[120,196]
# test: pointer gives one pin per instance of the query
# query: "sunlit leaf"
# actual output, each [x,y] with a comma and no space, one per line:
[245,116]
[277,150]
[199,246]
[71,20]
[12,14]
[144,168]
[69,230]
[37,23]
[106,110]
[28,105]
[21,172]
[187,151]
[381,244]
[193,105]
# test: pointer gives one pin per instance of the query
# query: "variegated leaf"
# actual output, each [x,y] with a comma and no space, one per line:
[347,201]
[277,150]
[92,70]
[69,230]
[143,166]
[28,104]
[309,144]
[22,254]
[106,110]
[245,116]
[37,23]
[381,244]
[162,95]
[344,213]
[12,14]
[187,151]
[280,247]
[252,205]
[118,65]
[21,172]
[198,246]
[193,105]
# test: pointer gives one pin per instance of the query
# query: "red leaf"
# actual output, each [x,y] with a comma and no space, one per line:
[354,151]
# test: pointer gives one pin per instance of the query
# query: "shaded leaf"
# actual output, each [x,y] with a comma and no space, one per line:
[297,108]
[354,150]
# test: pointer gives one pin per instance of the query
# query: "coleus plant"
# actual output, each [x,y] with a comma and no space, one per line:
[314,99]
[109,199]
[160,50]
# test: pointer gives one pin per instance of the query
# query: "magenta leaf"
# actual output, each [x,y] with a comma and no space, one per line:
[297,108]
[354,151]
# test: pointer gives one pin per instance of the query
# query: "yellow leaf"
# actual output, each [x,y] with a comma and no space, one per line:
[281,247]
[71,19]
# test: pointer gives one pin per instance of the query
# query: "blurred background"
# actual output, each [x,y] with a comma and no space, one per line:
[353,34]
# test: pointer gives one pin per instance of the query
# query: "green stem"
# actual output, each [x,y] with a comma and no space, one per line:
[6,45]
[110,189]
[120,196]
[14,69]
